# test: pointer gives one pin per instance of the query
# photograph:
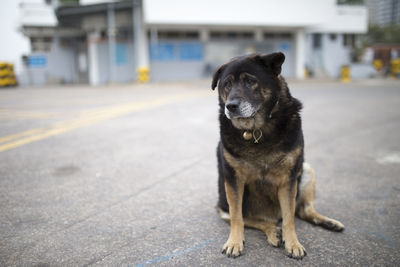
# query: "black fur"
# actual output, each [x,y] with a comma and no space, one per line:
[281,133]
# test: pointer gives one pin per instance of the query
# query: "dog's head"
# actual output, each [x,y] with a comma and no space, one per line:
[248,86]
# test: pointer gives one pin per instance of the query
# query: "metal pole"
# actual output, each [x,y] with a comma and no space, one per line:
[140,42]
[111,32]
[300,38]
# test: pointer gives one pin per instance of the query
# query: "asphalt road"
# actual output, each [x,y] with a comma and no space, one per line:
[126,176]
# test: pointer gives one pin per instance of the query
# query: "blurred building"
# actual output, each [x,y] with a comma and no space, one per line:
[384,20]
[107,41]
[383,12]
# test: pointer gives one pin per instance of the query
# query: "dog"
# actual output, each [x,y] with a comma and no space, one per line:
[263,179]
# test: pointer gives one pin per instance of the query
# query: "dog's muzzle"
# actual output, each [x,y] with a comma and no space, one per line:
[236,108]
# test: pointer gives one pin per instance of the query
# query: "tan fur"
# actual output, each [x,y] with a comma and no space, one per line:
[287,201]
[267,220]
[270,229]
[223,93]
[271,167]
[266,172]
[234,246]
[266,93]
[244,74]
[280,192]
[256,122]
[305,202]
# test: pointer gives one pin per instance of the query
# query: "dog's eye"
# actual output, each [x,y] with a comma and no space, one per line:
[228,85]
[249,82]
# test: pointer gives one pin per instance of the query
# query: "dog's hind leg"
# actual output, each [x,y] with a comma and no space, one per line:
[270,229]
[305,202]
[273,232]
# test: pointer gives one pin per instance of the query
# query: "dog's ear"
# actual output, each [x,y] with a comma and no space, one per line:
[216,77]
[273,62]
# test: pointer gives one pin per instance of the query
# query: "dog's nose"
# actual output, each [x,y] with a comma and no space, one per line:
[232,105]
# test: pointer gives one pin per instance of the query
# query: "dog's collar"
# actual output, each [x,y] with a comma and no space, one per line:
[255,134]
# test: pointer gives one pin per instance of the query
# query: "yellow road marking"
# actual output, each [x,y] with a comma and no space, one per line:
[18,135]
[87,118]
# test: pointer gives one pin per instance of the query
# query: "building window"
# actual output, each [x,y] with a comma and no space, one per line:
[317,41]
[276,35]
[177,51]
[123,34]
[103,35]
[349,40]
[231,35]
[178,35]
[332,37]
[41,44]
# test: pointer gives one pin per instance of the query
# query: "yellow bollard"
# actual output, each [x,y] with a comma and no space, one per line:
[377,63]
[306,73]
[143,74]
[395,68]
[345,74]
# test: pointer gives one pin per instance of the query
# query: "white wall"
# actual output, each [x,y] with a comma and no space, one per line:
[316,15]
[334,54]
[13,43]
[345,19]
[287,13]
[37,14]
[60,67]
[331,56]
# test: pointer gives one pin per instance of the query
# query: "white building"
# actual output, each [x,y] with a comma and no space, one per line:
[185,39]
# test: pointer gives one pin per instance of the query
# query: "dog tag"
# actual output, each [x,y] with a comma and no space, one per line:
[256,139]
[247,135]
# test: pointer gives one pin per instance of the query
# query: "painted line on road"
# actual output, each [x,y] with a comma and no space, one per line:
[18,135]
[88,118]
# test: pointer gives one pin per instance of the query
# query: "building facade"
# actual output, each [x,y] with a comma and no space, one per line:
[109,41]
[383,12]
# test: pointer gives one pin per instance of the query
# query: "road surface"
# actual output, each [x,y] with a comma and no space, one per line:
[126,175]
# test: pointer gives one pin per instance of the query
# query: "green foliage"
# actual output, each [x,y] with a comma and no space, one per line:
[69,2]
[389,34]
[350,2]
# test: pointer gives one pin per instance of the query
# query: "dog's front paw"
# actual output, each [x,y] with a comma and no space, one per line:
[295,250]
[233,248]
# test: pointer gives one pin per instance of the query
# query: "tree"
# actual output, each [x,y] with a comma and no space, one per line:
[389,34]
[350,2]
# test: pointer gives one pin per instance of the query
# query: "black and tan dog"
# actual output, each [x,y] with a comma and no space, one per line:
[262,174]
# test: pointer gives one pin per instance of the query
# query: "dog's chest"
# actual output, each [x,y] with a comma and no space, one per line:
[257,165]
[260,170]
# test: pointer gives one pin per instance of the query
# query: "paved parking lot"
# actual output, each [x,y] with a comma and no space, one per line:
[126,175]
